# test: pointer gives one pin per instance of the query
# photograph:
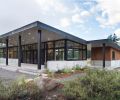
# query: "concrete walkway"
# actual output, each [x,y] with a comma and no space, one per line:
[8,76]
[25,68]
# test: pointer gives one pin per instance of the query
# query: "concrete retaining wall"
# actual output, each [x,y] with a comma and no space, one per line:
[56,65]
[108,64]
[115,63]
[13,62]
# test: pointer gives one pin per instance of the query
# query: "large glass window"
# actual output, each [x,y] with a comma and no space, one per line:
[84,54]
[76,51]
[70,54]
[50,45]
[76,54]
[13,52]
[73,54]
[55,50]
[1,52]
[59,54]
[59,44]
[50,55]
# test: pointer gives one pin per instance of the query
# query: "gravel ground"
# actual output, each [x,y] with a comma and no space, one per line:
[8,76]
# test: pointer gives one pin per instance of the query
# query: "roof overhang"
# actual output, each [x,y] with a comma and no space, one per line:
[108,43]
[46,30]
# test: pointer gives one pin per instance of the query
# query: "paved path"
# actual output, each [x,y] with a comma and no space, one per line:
[7,76]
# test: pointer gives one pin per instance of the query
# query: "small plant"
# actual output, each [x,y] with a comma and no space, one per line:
[77,67]
[49,73]
[64,71]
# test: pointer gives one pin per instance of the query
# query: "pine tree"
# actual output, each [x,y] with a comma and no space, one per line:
[113,38]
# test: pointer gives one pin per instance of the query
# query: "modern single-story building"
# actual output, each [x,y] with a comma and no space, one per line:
[41,44]
[46,46]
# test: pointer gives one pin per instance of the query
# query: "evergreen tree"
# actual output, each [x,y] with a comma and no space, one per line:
[113,38]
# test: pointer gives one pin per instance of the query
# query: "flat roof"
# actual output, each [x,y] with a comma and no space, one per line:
[41,25]
[108,43]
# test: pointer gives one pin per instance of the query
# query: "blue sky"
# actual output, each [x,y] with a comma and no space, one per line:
[87,19]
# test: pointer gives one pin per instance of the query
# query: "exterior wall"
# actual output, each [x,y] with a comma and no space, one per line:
[13,62]
[117,53]
[97,60]
[97,53]
[56,65]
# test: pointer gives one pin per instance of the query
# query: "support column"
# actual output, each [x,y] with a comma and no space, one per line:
[103,55]
[54,50]
[39,49]
[19,51]
[7,51]
[65,50]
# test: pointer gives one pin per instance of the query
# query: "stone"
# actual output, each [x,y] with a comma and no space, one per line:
[45,83]
[51,85]
[29,80]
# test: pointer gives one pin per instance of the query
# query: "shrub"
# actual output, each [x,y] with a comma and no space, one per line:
[3,92]
[64,70]
[95,85]
[20,91]
[77,67]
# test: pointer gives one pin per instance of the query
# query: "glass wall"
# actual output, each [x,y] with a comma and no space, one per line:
[29,53]
[55,50]
[13,52]
[76,51]
[51,50]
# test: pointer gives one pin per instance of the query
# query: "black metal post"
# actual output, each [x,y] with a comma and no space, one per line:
[82,51]
[86,52]
[19,51]
[65,50]
[54,50]
[7,51]
[103,55]
[39,49]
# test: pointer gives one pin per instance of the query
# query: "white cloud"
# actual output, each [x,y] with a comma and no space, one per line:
[117,32]
[65,22]
[111,9]
[54,5]
[85,13]
[102,22]
[58,13]
[77,18]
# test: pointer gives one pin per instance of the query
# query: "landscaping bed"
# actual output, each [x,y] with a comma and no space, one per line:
[94,85]
[66,72]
